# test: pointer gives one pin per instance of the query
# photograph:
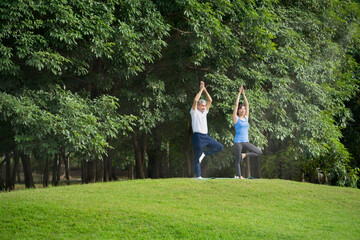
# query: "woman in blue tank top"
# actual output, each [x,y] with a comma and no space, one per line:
[241,140]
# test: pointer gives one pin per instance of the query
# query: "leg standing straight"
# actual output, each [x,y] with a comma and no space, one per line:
[238,158]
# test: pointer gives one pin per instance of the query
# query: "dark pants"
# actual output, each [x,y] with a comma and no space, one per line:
[252,151]
[200,142]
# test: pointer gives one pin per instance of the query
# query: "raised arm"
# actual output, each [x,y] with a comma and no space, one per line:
[198,95]
[236,106]
[246,104]
[208,99]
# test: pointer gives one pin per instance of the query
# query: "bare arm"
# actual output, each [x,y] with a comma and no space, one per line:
[208,99]
[246,104]
[198,95]
[236,106]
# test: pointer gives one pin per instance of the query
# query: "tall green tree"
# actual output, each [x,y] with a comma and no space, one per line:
[51,124]
[84,45]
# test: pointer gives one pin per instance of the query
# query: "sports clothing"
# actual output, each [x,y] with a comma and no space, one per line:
[241,141]
[241,130]
[252,151]
[198,121]
[200,142]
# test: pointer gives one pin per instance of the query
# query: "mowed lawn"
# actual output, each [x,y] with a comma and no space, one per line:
[182,209]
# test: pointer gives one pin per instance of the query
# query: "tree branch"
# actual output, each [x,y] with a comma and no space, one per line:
[181,31]
[197,68]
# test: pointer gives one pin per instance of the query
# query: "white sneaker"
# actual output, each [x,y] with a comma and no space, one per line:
[237,177]
[201,157]
[199,177]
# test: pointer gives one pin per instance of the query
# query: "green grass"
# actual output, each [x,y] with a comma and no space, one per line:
[182,209]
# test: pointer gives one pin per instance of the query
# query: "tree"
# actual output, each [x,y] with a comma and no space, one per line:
[82,45]
[57,122]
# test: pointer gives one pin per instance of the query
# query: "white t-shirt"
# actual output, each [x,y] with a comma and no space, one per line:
[198,121]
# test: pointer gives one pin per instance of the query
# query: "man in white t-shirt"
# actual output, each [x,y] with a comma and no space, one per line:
[201,139]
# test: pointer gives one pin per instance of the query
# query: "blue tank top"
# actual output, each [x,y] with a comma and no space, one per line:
[241,131]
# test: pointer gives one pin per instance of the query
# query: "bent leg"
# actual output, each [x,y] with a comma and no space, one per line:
[252,150]
[214,147]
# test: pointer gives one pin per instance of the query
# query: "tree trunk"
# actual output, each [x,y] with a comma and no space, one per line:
[248,166]
[139,166]
[66,159]
[154,156]
[187,150]
[131,171]
[15,169]
[143,145]
[55,180]
[111,173]
[2,182]
[99,169]
[151,162]
[83,171]
[302,176]
[106,167]
[18,175]
[108,175]
[46,174]
[8,171]
[58,169]
[29,181]
[166,161]
[154,163]
[91,172]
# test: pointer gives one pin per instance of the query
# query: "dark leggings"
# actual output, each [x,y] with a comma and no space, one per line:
[252,151]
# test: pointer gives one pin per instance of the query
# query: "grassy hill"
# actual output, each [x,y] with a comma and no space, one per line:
[182,209]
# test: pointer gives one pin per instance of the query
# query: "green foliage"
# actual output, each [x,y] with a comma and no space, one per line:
[47,121]
[340,176]
[281,164]
[74,37]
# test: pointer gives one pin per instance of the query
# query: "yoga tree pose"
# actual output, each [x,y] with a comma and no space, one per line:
[201,139]
[241,140]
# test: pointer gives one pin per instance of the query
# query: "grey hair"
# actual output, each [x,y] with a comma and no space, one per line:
[201,101]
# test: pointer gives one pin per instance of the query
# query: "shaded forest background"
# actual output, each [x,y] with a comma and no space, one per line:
[104,88]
